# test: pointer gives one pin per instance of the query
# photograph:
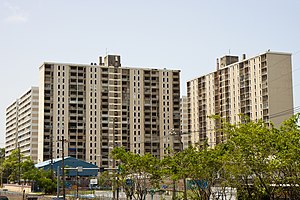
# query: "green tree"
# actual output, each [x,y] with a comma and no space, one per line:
[175,167]
[2,158]
[2,155]
[12,166]
[288,149]
[257,159]
[260,159]
[44,180]
[137,172]
[251,159]
[205,168]
[105,180]
[17,166]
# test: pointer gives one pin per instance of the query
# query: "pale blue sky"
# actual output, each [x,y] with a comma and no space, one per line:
[187,35]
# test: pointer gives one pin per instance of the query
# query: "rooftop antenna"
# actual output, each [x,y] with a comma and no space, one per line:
[229,51]
[106,51]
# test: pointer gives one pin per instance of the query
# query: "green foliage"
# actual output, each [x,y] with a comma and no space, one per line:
[2,158]
[12,165]
[2,155]
[105,180]
[44,180]
[17,166]
[137,172]
[259,160]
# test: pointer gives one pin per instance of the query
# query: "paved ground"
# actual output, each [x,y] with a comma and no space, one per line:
[100,195]
[108,195]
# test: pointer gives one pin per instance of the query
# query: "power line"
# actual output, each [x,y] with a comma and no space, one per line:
[285,112]
[285,74]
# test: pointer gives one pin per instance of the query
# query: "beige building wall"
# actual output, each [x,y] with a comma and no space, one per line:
[256,88]
[97,107]
[41,116]
[11,128]
[186,137]
[22,125]
[137,103]
[210,110]
[193,112]
[280,90]
[234,80]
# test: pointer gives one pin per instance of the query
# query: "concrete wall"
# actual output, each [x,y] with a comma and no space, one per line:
[17,188]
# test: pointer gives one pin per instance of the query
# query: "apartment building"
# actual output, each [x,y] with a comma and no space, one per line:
[259,88]
[99,106]
[22,125]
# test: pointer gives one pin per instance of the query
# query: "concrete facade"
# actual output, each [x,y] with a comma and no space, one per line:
[99,106]
[186,137]
[22,125]
[258,88]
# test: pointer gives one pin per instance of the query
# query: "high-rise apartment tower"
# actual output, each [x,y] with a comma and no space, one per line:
[259,88]
[22,125]
[97,107]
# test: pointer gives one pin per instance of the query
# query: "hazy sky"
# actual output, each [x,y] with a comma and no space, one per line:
[187,35]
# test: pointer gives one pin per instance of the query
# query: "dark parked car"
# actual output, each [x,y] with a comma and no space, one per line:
[3,198]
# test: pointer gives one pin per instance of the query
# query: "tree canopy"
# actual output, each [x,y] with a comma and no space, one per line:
[17,167]
[257,161]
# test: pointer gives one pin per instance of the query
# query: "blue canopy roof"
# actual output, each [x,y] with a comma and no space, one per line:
[70,162]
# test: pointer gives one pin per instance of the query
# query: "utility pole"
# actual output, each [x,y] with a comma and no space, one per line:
[51,153]
[58,182]
[114,162]
[77,183]
[173,133]
[63,167]
[184,179]
[19,165]
[1,179]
